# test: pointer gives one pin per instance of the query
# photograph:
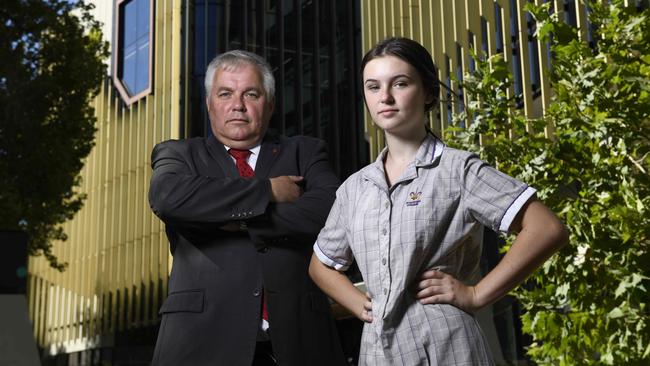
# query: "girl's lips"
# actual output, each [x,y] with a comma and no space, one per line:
[387,112]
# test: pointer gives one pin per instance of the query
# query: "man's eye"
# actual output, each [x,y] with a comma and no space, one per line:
[252,95]
[223,94]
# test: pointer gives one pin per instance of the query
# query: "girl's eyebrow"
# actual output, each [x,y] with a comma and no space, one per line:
[392,78]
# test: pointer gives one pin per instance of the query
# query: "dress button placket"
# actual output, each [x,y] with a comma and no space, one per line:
[384,248]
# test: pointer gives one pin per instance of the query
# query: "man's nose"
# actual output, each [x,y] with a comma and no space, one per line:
[239,105]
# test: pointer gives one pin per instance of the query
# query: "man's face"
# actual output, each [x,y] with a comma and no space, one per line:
[238,106]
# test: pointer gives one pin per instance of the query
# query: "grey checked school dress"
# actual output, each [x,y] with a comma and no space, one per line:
[433,216]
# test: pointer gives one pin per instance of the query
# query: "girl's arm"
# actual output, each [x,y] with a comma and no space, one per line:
[339,287]
[540,235]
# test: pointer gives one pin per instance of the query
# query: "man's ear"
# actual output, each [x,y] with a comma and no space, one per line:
[272,105]
[207,103]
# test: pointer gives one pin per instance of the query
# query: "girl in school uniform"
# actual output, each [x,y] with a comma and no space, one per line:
[414,219]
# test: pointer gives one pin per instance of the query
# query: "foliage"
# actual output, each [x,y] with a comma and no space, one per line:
[588,304]
[52,57]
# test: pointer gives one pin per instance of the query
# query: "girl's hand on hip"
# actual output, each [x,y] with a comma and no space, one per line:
[437,287]
[366,313]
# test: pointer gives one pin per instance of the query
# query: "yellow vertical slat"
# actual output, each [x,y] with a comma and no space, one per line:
[115,214]
[439,50]
[147,266]
[412,19]
[127,243]
[582,19]
[487,12]
[175,66]
[425,21]
[137,215]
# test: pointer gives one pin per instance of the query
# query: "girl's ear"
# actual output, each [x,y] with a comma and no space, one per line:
[429,99]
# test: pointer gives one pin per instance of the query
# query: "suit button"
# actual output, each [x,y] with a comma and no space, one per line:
[256,293]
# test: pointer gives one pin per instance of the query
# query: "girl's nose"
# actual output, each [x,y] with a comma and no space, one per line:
[386,97]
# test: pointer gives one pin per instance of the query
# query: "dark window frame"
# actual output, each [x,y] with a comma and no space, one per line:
[117,55]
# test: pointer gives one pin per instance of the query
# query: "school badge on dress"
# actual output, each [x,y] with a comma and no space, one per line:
[413,199]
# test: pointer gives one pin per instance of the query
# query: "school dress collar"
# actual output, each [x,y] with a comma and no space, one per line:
[428,155]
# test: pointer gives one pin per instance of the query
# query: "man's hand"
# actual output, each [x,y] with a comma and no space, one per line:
[436,287]
[285,188]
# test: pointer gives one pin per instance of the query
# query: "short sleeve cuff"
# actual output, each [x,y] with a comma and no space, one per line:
[328,261]
[514,208]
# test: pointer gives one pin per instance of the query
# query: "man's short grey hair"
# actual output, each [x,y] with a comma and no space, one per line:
[235,58]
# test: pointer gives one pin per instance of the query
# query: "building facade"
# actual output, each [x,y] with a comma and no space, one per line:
[104,308]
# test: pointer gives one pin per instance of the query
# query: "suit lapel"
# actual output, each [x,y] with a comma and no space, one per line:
[269,152]
[219,155]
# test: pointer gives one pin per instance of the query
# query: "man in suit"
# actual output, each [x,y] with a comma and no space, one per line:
[242,209]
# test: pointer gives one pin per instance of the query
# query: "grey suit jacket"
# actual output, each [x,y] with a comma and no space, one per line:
[212,313]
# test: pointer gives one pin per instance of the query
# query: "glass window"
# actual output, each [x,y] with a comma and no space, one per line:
[459,78]
[533,55]
[484,38]
[314,49]
[498,23]
[516,61]
[448,88]
[471,39]
[570,13]
[133,54]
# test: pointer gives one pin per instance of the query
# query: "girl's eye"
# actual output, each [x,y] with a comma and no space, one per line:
[400,84]
[372,87]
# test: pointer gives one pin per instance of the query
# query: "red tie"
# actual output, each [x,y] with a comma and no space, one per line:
[245,170]
[241,157]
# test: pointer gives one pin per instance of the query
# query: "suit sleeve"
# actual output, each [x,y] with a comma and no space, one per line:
[181,197]
[303,219]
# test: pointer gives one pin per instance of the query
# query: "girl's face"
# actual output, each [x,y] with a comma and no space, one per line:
[394,95]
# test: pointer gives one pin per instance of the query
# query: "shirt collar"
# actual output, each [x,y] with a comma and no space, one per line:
[254,150]
[428,154]
[252,159]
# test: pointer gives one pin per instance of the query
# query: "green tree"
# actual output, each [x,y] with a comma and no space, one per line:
[588,304]
[52,57]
